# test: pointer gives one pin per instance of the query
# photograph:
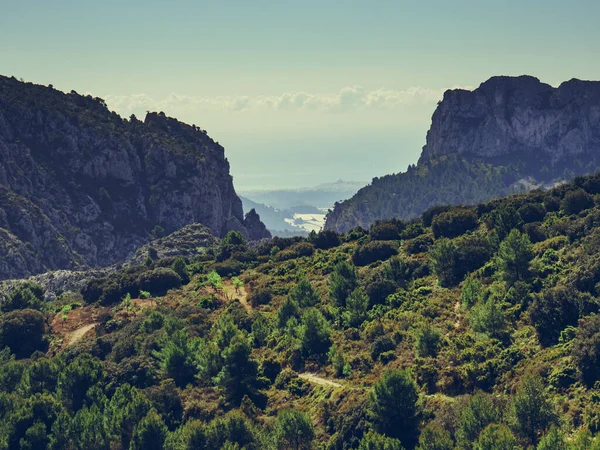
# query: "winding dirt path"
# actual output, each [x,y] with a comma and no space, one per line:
[78,334]
[311,377]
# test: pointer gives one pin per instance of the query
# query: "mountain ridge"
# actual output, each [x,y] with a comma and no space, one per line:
[82,187]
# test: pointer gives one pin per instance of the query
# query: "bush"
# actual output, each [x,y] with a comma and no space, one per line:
[26,295]
[382,345]
[428,216]
[427,341]
[315,334]
[552,311]
[229,268]
[420,244]
[159,281]
[293,430]
[532,212]
[496,437]
[260,296]
[586,349]
[378,290]
[576,201]
[531,408]
[388,230]
[23,331]
[514,256]
[296,251]
[325,239]
[453,223]
[374,251]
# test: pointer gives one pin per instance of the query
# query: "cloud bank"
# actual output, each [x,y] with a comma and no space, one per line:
[349,98]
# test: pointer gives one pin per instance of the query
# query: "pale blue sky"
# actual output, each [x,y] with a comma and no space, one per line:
[299,93]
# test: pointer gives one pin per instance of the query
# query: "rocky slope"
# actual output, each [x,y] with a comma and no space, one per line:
[82,187]
[508,135]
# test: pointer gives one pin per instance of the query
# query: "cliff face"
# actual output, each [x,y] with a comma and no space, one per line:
[510,134]
[82,187]
[521,115]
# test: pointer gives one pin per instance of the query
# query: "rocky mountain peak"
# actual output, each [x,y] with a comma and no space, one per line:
[82,187]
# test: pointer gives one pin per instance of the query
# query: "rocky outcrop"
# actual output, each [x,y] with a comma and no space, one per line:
[82,187]
[256,229]
[508,135]
[517,115]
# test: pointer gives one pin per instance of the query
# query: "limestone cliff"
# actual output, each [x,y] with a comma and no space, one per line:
[521,115]
[508,135]
[82,187]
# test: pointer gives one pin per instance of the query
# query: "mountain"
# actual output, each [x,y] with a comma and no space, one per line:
[321,196]
[508,135]
[82,187]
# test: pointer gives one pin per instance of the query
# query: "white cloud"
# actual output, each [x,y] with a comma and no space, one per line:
[349,98]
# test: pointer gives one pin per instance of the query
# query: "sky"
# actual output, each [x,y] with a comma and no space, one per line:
[298,92]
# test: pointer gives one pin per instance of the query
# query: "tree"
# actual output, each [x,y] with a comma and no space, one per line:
[180,268]
[487,317]
[374,251]
[304,294]
[496,437]
[427,341]
[342,281]
[126,409]
[552,311]
[287,310]
[453,223]
[239,373]
[237,284]
[357,306]
[531,409]
[26,295]
[576,201]
[586,349]
[434,437]
[23,331]
[397,271]
[315,334]
[475,416]
[214,280]
[376,441]
[471,292]
[75,380]
[293,430]
[176,358]
[150,433]
[442,261]
[393,406]
[552,440]
[514,256]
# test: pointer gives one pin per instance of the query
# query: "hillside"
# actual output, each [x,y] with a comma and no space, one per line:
[509,134]
[82,187]
[467,328]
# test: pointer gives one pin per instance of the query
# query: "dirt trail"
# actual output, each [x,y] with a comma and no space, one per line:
[318,380]
[76,335]
[241,294]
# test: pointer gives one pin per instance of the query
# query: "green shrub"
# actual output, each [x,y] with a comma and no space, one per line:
[23,331]
[374,251]
[576,201]
[427,341]
[453,223]
[159,281]
[260,296]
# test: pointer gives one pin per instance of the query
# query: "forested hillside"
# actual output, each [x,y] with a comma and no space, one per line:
[471,327]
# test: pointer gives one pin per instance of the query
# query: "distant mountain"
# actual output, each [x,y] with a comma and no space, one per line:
[511,134]
[82,187]
[287,222]
[321,196]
